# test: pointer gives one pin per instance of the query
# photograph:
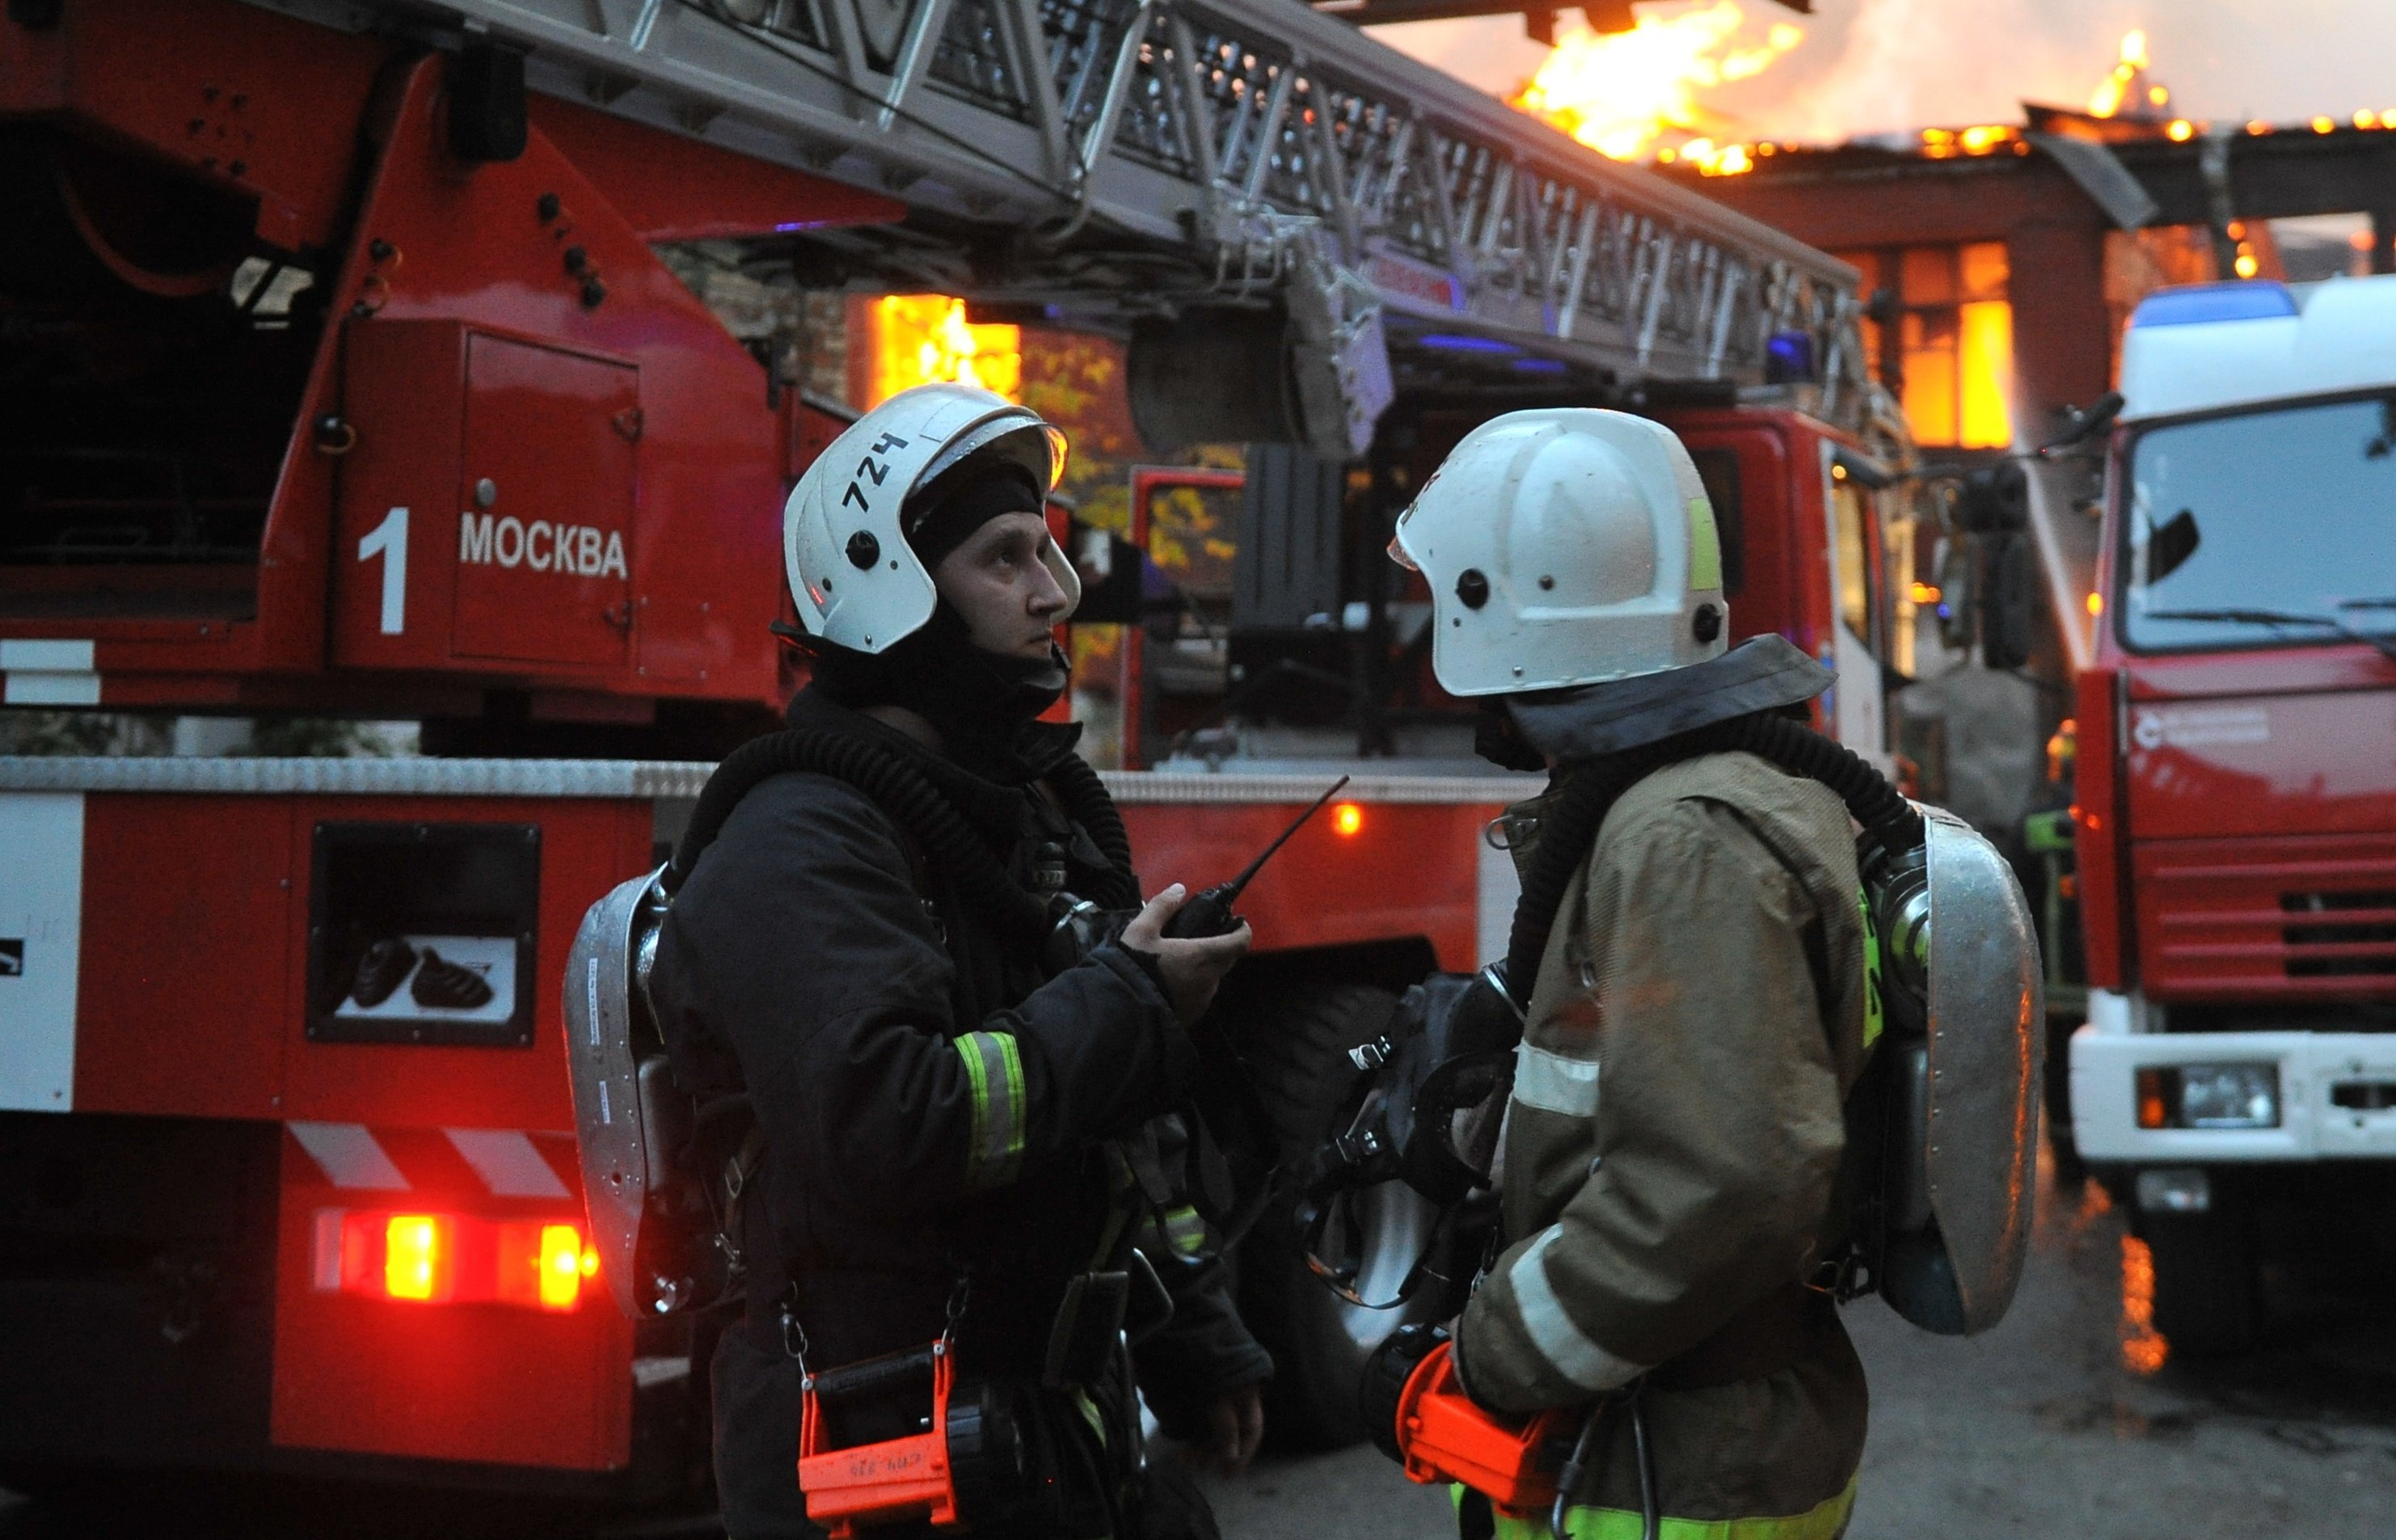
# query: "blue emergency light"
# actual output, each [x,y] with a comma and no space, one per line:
[2199,304]
[1455,342]
[1789,359]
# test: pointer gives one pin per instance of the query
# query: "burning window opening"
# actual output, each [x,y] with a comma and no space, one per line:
[924,339]
[1952,358]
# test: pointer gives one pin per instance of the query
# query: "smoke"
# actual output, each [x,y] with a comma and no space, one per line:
[1891,65]
[1879,66]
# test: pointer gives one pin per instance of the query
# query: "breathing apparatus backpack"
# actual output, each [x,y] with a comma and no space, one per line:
[1938,1182]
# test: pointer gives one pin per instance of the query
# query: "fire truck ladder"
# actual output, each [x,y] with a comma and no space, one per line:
[1115,158]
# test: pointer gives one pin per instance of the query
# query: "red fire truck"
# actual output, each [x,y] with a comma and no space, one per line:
[2236,796]
[343,375]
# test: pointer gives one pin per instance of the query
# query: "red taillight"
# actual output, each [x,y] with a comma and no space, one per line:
[417,1256]
[559,1263]
[453,1258]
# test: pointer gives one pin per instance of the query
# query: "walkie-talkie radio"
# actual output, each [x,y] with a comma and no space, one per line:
[1210,912]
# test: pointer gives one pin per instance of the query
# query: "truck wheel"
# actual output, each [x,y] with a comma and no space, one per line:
[2208,1290]
[1298,1048]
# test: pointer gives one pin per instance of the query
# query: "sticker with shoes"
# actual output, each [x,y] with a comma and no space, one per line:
[441,978]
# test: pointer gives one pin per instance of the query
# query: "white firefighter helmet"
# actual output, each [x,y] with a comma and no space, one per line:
[855,579]
[1566,546]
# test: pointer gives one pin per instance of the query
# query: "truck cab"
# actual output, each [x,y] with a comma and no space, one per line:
[2236,814]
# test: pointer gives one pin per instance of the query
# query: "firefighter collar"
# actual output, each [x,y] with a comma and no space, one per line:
[1760,674]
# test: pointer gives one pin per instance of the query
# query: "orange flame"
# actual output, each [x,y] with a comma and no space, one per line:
[1621,93]
[1982,138]
[2107,100]
[921,339]
[2143,1348]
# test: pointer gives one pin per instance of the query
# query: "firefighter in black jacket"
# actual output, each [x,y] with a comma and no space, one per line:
[959,1117]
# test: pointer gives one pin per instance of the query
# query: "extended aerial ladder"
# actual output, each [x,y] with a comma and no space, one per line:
[1115,162]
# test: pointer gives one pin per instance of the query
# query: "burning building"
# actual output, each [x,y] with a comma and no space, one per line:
[2002,258]
[2025,246]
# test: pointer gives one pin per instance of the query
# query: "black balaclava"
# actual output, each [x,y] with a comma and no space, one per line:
[984,703]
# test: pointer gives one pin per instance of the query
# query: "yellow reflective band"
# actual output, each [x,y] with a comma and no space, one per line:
[1823,1522]
[1872,1010]
[1185,1231]
[1705,546]
[1089,1410]
[994,1070]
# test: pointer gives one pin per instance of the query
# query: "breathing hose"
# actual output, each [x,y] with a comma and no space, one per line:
[911,798]
[1087,804]
[1592,790]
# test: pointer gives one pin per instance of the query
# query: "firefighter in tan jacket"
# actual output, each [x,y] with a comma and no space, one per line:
[1674,1140]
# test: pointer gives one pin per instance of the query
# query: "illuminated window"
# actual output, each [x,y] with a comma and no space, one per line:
[1987,337]
[1930,383]
[1984,334]
[924,339]
[1952,361]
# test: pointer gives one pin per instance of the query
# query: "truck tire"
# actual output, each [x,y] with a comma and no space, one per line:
[1298,1049]
[2208,1289]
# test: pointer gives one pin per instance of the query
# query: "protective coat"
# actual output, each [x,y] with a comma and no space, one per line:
[934,1105]
[1672,1149]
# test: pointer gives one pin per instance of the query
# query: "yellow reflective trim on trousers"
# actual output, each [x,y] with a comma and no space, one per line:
[1825,1521]
[995,1071]
[1874,1019]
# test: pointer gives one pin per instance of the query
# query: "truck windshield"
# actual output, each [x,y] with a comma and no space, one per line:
[2270,528]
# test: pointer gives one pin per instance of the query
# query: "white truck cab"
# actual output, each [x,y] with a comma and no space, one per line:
[2236,817]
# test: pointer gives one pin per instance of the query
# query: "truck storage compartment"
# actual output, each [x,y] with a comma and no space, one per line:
[423,932]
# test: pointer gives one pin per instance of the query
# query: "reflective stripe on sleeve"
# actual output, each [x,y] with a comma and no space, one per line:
[1553,1083]
[1565,1347]
[1823,1522]
[995,1153]
[1185,1231]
